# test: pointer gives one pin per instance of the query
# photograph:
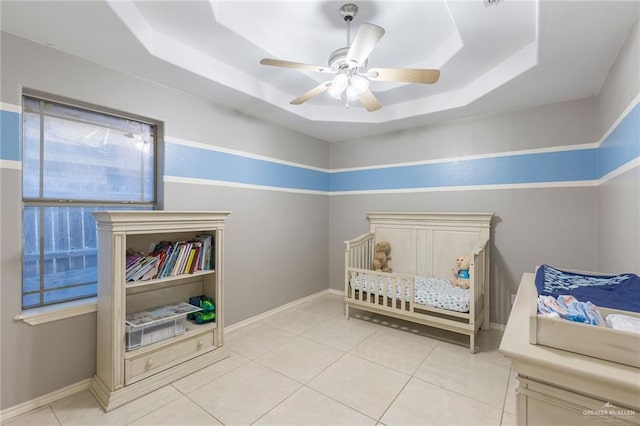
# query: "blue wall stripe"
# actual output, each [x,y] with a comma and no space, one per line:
[9,135]
[622,145]
[191,162]
[514,169]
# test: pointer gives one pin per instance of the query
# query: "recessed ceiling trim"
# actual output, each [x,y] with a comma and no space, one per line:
[177,53]
[134,20]
[438,59]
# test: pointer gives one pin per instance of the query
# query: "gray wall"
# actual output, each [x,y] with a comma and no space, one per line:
[619,198]
[619,224]
[565,123]
[532,226]
[262,229]
[622,83]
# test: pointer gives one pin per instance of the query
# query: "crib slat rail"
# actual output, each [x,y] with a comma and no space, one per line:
[357,250]
[374,287]
[385,293]
[480,289]
[477,289]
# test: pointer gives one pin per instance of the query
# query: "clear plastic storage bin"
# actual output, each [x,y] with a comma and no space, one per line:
[147,327]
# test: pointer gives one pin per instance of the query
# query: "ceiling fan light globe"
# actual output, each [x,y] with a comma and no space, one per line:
[341,80]
[334,92]
[359,84]
[352,94]
[338,84]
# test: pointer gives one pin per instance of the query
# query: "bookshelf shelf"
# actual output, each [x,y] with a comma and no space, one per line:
[148,285]
[122,376]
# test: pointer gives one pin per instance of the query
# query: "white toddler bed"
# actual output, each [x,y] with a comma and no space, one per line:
[424,247]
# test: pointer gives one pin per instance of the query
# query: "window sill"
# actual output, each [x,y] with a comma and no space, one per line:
[57,312]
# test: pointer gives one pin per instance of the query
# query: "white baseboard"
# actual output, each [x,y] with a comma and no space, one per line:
[262,316]
[43,400]
[334,291]
[496,326]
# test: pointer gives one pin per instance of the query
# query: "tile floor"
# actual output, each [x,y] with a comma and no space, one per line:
[308,365]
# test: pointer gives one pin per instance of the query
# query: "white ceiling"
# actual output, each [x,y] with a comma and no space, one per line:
[517,54]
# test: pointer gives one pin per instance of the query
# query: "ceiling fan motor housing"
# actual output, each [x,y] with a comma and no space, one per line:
[338,60]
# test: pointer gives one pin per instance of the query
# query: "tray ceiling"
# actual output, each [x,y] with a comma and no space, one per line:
[519,53]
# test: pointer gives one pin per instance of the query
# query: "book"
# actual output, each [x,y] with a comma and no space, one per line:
[141,268]
[133,258]
[162,250]
[195,265]
[148,265]
[179,264]
[187,266]
[205,260]
[131,261]
[151,273]
[170,262]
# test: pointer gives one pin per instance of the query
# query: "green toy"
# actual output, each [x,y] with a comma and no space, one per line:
[208,312]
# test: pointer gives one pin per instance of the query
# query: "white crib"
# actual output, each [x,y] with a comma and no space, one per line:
[422,245]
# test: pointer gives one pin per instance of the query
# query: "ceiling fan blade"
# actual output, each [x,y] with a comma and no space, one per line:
[407,75]
[311,93]
[369,101]
[364,43]
[295,65]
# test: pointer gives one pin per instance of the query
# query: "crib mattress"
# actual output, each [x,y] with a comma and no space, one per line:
[428,291]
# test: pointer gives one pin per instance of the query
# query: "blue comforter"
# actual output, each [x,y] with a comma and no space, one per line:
[608,291]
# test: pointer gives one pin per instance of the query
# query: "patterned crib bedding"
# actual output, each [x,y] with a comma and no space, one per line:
[608,291]
[428,291]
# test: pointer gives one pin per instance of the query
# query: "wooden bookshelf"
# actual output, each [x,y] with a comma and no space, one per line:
[121,375]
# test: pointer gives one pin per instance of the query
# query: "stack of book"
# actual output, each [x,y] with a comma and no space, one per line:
[140,266]
[171,258]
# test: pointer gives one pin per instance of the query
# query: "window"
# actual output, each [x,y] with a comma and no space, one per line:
[75,161]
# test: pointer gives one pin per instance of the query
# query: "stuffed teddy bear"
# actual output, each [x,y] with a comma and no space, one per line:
[461,272]
[382,257]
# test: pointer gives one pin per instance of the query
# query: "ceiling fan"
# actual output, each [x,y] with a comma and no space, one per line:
[349,64]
